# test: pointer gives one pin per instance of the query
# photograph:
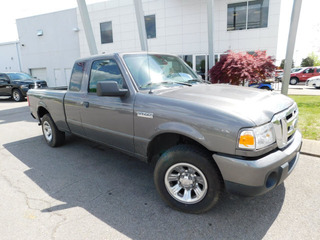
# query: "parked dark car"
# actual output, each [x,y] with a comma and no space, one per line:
[17,84]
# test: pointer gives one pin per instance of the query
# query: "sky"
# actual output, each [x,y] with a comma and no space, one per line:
[308,38]
[10,10]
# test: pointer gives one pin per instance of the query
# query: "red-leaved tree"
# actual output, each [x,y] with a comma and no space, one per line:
[236,68]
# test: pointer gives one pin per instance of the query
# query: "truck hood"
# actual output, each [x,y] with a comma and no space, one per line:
[28,81]
[256,105]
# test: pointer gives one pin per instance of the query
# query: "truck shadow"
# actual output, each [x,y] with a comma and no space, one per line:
[16,113]
[119,190]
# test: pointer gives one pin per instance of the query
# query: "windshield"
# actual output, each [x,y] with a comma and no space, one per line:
[19,76]
[158,70]
[293,70]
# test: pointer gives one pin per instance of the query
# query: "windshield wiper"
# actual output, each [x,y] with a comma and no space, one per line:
[166,82]
[198,80]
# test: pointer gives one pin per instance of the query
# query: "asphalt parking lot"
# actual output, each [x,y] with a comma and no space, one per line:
[83,190]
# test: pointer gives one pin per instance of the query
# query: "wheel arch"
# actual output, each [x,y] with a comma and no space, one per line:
[165,140]
[14,88]
[42,110]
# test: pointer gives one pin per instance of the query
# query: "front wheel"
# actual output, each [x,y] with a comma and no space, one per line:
[17,95]
[187,180]
[51,133]
[294,81]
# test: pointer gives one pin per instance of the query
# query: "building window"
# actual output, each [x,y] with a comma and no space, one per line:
[106,32]
[150,22]
[248,15]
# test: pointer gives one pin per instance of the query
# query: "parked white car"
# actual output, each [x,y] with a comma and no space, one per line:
[313,82]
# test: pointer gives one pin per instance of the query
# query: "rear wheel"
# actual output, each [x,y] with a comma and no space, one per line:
[294,81]
[187,180]
[51,133]
[17,95]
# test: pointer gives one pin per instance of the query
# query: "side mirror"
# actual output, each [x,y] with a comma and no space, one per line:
[110,89]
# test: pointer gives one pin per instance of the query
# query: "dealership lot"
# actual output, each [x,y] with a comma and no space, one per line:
[83,190]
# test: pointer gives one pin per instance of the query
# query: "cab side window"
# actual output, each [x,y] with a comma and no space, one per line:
[105,70]
[309,70]
[4,77]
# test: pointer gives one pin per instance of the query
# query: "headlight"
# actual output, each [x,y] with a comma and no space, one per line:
[256,138]
[24,86]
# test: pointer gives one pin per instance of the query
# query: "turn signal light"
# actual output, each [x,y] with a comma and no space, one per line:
[246,140]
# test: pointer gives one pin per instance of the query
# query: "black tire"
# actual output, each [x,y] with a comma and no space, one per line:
[294,81]
[196,161]
[53,136]
[17,95]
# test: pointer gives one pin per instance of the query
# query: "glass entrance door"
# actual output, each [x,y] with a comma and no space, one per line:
[200,65]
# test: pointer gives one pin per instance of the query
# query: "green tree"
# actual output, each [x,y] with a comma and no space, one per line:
[282,64]
[307,62]
[315,58]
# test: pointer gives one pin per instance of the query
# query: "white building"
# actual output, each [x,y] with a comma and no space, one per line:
[181,27]
[10,57]
[51,42]
[49,45]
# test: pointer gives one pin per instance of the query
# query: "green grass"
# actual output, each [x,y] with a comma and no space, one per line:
[309,116]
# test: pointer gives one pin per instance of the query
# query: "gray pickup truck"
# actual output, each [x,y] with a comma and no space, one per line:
[203,138]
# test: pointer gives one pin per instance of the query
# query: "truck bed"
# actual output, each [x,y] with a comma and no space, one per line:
[52,100]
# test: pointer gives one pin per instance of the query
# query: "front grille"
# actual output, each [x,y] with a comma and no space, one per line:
[285,125]
[38,85]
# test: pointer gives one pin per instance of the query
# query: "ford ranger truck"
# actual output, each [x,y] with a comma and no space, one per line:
[203,138]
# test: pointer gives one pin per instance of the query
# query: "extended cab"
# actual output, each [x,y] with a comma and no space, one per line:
[202,137]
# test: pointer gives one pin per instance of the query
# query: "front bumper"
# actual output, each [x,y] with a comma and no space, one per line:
[24,91]
[256,177]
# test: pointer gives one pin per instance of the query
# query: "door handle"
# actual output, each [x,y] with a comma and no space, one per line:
[86,104]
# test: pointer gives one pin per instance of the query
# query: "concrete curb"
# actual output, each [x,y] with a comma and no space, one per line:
[310,147]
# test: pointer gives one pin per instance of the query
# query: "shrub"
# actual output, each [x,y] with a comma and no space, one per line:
[236,68]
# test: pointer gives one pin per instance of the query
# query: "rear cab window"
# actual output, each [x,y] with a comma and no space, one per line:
[77,76]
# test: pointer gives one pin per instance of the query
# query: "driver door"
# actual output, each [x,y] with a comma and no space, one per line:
[108,119]
[5,86]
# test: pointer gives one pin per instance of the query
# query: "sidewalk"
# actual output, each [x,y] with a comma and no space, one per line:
[310,147]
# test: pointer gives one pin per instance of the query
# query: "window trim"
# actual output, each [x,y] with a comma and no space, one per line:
[247,15]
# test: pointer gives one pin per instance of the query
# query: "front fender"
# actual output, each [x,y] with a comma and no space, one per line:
[179,128]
